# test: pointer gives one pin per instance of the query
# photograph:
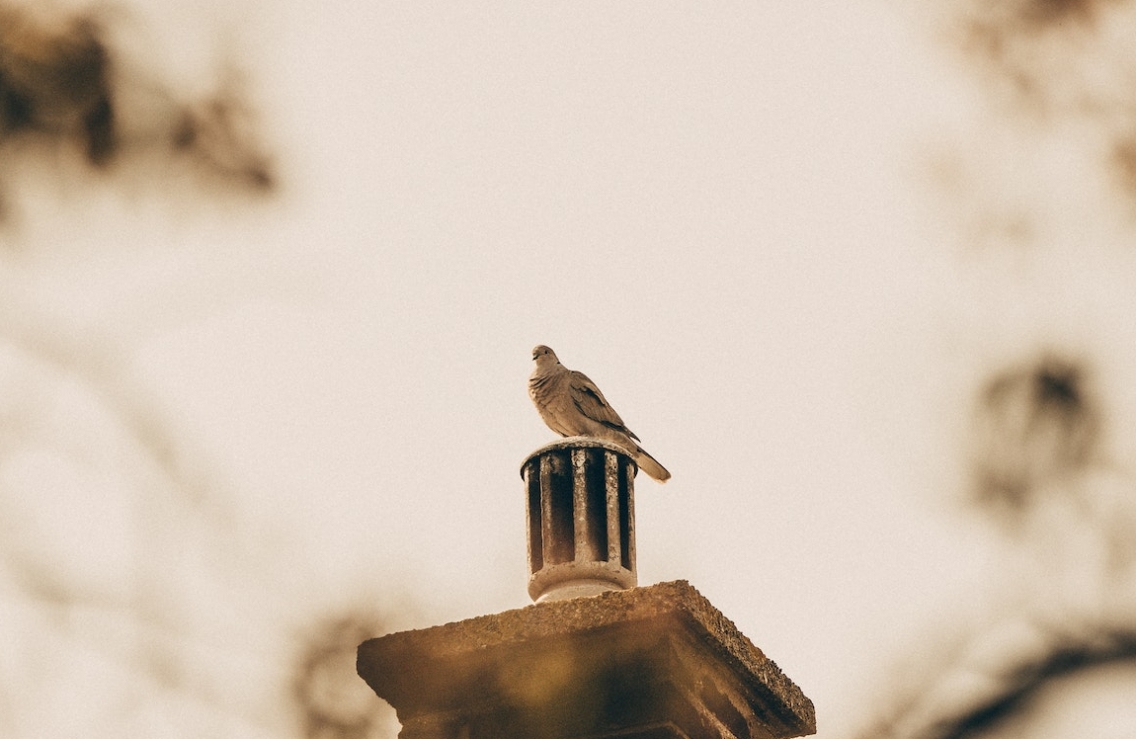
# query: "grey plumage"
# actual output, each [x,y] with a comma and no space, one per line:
[572,405]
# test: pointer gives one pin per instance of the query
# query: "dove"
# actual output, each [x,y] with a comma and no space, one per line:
[572,405]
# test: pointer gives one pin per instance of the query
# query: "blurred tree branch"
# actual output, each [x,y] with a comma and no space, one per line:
[65,88]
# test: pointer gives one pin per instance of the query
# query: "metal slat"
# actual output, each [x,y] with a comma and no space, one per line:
[546,532]
[611,495]
[580,502]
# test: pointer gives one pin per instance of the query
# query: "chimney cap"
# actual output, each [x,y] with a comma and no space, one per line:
[576,442]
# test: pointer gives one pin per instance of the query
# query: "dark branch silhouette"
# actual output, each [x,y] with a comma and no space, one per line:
[65,87]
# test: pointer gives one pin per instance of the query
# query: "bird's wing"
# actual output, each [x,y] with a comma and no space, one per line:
[590,401]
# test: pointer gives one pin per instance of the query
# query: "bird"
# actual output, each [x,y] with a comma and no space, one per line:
[571,405]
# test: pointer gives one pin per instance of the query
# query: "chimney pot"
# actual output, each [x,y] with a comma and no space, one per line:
[581,515]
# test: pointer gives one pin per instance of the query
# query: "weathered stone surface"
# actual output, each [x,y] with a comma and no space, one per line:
[649,662]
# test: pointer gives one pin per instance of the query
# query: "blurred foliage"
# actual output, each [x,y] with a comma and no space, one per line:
[333,700]
[66,89]
[1038,427]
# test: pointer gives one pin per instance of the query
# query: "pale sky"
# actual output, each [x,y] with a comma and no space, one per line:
[753,225]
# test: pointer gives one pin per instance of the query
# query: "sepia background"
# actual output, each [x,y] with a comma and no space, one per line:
[859,274]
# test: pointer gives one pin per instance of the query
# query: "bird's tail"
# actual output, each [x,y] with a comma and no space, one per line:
[650,465]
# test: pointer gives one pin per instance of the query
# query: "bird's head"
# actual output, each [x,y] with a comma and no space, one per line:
[543,356]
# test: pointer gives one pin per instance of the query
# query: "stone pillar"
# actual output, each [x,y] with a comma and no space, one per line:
[581,511]
[656,662]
